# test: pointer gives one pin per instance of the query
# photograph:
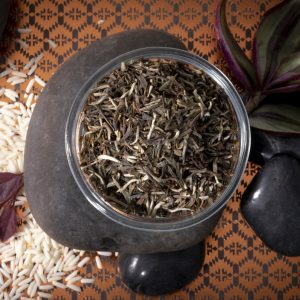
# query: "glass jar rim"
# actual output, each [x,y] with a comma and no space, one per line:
[155,224]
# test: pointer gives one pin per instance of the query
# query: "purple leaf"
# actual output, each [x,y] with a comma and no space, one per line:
[240,66]
[275,33]
[8,223]
[284,80]
[10,184]
[281,118]
[292,87]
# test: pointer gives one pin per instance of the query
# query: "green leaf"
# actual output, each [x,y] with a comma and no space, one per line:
[276,37]
[281,118]
[240,66]
[290,63]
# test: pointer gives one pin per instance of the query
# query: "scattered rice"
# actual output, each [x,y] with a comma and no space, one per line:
[59,284]
[18,81]
[98,262]
[11,64]
[24,30]
[32,69]
[45,295]
[31,263]
[5,72]
[104,253]
[74,287]
[29,63]
[39,57]
[39,81]
[29,86]
[22,43]
[87,280]
[29,100]
[51,43]
[83,262]
[19,74]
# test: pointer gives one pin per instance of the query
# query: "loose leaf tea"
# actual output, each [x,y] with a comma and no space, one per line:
[158,138]
[10,184]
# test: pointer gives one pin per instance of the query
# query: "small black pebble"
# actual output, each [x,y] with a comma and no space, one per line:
[161,273]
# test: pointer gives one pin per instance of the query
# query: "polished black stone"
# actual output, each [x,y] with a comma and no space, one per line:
[271,204]
[55,200]
[265,145]
[161,273]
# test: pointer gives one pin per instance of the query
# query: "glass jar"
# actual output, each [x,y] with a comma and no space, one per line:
[173,233]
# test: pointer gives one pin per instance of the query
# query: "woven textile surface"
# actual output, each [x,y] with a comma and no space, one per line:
[237,264]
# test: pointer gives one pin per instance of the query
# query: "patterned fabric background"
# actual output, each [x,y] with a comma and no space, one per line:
[237,264]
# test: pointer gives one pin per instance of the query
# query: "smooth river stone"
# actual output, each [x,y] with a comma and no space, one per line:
[264,145]
[161,273]
[271,204]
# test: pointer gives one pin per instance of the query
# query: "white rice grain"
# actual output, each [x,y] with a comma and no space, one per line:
[31,70]
[11,64]
[6,284]
[45,295]
[29,86]
[51,43]
[12,292]
[22,43]
[46,287]
[72,275]
[22,288]
[18,81]
[5,72]
[29,100]
[29,63]
[24,30]
[98,262]
[74,279]
[59,284]
[104,253]
[87,280]
[39,57]
[33,290]
[5,273]
[39,81]
[19,74]
[83,262]
[15,297]
[74,288]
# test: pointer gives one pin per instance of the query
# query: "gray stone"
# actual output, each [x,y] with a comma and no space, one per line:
[56,202]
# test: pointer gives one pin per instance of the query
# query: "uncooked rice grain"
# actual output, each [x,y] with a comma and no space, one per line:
[22,43]
[30,262]
[5,72]
[74,287]
[24,30]
[83,262]
[39,81]
[29,63]
[87,280]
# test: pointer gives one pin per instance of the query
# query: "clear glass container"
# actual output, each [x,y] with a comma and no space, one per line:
[207,218]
